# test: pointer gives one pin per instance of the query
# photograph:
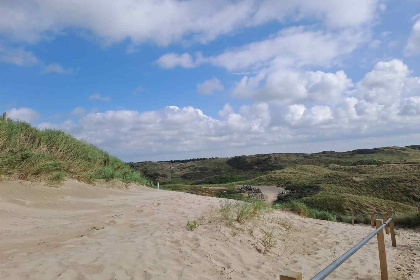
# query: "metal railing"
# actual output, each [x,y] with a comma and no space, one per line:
[326,271]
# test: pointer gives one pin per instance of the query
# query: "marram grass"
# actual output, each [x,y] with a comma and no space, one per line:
[31,154]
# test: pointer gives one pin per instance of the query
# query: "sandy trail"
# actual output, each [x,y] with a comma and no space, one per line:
[78,231]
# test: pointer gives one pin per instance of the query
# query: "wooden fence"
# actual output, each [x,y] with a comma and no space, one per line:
[388,226]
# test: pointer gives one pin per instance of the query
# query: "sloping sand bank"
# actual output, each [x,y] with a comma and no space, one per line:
[78,231]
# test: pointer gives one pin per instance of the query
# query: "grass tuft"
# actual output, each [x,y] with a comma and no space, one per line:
[31,154]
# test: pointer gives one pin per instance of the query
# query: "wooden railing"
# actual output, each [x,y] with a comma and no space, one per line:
[379,232]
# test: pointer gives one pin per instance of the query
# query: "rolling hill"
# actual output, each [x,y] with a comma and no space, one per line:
[362,180]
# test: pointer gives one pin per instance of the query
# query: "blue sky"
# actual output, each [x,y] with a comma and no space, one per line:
[158,80]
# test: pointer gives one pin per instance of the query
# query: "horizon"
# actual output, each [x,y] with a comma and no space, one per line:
[308,153]
[175,80]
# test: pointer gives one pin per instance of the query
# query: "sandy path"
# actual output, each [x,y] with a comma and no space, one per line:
[271,192]
[80,231]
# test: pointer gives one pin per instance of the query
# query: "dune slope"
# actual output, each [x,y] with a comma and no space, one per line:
[79,231]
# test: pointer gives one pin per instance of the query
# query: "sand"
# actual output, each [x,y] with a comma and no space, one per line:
[79,231]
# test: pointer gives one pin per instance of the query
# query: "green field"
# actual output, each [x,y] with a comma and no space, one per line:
[51,155]
[362,181]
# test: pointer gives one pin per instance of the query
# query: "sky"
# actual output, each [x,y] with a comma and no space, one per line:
[166,79]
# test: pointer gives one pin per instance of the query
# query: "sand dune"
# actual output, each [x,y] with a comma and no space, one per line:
[78,231]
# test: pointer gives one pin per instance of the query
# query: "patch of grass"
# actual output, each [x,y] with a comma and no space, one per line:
[57,177]
[401,219]
[31,154]
[243,211]
[268,240]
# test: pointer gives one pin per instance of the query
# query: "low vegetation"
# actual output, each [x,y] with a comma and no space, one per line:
[31,154]
[243,211]
[191,225]
[327,183]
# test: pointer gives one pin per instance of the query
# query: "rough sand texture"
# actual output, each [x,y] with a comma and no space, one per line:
[78,231]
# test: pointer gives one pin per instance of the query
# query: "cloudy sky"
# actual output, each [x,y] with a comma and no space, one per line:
[167,79]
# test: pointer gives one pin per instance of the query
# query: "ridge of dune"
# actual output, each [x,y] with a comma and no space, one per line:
[80,231]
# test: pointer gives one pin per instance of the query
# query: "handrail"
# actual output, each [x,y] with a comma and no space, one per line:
[326,271]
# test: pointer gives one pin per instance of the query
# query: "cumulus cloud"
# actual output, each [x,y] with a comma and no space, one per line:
[226,111]
[289,86]
[23,114]
[385,83]
[413,44]
[411,106]
[165,22]
[210,86]
[298,114]
[172,60]
[135,135]
[97,96]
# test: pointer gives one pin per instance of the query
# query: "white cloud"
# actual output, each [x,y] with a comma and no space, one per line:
[226,111]
[411,106]
[165,22]
[55,68]
[413,44]
[21,57]
[172,60]
[210,86]
[23,114]
[385,83]
[97,96]
[299,115]
[289,86]
[17,56]
[294,46]
[78,112]
[174,132]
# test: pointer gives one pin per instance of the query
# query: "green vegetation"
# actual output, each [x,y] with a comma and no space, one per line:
[327,183]
[31,154]
[192,225]
[243,211]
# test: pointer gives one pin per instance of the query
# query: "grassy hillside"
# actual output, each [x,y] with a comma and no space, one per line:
[362,180]
[29,153]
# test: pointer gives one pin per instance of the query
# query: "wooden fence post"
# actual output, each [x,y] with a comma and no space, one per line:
[385,219]
[391,227]
[372,222]
[382,253]
[290,275]
[352,217]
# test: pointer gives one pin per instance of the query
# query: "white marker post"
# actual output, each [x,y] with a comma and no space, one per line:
[157,185]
